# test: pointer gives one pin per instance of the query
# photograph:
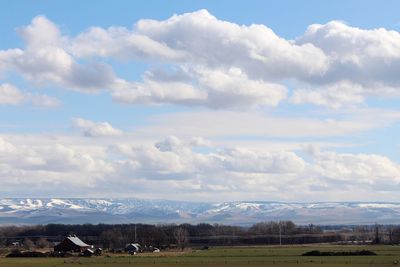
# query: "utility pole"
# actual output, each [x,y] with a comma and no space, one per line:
[135,234]
[377,239]
[280,233]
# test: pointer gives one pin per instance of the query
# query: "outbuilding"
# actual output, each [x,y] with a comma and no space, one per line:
[132,247]
[98,252]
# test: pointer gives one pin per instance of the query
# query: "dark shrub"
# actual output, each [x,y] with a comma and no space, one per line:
[339,253]
[31,254]
[34,254]
[14,253]
[312,253]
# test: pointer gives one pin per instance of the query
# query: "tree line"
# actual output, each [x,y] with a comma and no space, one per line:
[115,236]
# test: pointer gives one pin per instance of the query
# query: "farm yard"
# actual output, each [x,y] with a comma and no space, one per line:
[284,256]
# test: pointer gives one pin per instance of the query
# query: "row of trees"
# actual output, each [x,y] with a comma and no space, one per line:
[116,236]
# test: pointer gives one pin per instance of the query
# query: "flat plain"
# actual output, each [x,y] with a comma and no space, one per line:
[280,256]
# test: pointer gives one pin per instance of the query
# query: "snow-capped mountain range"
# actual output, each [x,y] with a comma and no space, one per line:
[74,210]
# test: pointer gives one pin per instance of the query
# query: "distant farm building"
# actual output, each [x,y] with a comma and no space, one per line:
[133,247]
[71,244]
[98,252]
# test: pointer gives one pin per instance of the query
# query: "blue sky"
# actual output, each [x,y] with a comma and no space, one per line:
[224,100]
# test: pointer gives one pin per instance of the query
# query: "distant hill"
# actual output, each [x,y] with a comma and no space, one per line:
[76,210]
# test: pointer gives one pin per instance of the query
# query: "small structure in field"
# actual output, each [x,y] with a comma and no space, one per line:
[132,248]
[98,252]
[71,244]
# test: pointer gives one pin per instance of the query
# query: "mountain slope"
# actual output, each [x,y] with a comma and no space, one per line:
[43,211]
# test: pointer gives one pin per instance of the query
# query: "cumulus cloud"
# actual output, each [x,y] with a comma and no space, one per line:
[95,129]
[217,44]
[155,92]
[25,167]
[174,159]
[355,168]
[367,57]
[217,89]
[121,43]
[46,158]
[234,88]
[224,64]
[340,64]
[175,164]
[327,54]
[247,161]
[7,58]
[45,60]
[11,95]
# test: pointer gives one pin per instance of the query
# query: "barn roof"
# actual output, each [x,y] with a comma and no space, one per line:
[77,241]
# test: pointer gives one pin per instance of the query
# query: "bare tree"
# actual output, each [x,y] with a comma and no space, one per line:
[42,243]
[181,236]
[28,244]
[112,238]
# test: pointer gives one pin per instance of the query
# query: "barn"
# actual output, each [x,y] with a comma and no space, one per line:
[71,244]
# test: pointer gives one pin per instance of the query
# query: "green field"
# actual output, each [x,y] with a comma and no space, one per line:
[237,256]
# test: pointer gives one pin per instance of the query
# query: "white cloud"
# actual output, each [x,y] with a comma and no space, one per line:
[199,141]
[174,159]
[234,88]
[214,88]
[255,49]
[119,42]
[11,95]
[7,57]
[340,65]
[44,101]
[199,60]
[365,57]
[356,168]
[95,129]
[224,64]
[49,58]
[247,161]
[45,61]
[173,165]
[48,165]
[156,92]
[216,44]
[239,124]
[342,94]
[41,32]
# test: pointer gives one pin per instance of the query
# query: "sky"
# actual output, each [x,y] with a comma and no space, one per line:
[290,101]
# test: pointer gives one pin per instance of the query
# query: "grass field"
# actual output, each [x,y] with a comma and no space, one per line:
[237,256]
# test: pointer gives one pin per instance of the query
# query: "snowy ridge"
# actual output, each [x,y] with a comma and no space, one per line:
[80,210]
